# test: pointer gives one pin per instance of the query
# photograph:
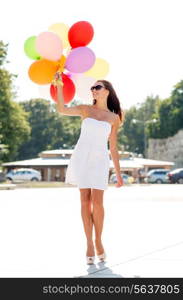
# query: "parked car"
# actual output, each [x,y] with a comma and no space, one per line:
[157,176]
[176,176]
[23,174]
[126,179]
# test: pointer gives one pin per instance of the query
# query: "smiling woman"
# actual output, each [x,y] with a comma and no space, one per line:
[89,164]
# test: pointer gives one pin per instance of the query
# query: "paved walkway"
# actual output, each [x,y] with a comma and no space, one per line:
[42,233]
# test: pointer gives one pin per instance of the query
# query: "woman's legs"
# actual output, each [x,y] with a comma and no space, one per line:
[86,213]
[98,218]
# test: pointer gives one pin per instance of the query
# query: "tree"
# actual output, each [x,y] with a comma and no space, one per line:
[132,134]
[14,128]
[170,115]
[49,129]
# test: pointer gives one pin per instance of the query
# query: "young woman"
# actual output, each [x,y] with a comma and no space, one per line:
[89,164]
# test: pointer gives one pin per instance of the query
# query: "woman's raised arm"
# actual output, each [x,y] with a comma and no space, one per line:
[77,110]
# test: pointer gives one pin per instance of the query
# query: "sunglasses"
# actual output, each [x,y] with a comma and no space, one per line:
[97,87]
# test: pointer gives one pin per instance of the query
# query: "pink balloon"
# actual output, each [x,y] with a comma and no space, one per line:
[80,60]
[49,45]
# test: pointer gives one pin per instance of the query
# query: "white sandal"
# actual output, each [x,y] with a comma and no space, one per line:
[102,257]
[90,260]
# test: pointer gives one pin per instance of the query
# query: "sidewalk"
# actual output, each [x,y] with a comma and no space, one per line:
[7,186]
[42,233]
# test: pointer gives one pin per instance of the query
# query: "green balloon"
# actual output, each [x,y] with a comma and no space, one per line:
[30,48]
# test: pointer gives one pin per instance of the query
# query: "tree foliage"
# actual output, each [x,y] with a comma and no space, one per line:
[170,115]
[49,129]
[14,128]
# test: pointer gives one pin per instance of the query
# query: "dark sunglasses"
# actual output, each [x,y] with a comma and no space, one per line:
[97,87]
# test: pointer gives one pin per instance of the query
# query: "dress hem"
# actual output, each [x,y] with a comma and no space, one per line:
[87,187]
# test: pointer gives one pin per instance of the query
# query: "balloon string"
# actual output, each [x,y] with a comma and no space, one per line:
[68,51]
[60,69]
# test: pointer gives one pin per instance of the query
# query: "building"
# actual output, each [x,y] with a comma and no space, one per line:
[53,164]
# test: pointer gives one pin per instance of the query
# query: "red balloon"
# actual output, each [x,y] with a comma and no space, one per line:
[68,89]
[80,34]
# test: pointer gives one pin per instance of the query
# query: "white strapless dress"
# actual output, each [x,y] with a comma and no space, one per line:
[89,164]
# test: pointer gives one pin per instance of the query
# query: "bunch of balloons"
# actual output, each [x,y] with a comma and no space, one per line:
[65,49]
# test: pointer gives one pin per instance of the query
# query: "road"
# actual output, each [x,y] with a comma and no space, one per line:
[42,233]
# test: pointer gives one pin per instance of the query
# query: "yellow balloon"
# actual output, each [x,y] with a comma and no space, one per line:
[99,70]
[61,30]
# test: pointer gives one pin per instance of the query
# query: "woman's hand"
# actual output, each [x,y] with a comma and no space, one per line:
[58,79]
[119,180]
[58,75]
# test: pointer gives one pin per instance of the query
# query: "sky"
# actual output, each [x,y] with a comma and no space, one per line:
[142,40]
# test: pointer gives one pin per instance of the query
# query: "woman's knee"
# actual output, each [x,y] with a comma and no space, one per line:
[97,197]
[85,195]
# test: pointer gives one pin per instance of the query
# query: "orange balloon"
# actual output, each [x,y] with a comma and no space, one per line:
[43,71]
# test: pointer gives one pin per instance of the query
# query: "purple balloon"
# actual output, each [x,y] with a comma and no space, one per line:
[80,60]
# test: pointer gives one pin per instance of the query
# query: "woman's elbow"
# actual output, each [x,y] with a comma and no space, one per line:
[60,110]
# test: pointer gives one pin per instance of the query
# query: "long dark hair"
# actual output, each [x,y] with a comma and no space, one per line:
[113,103]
